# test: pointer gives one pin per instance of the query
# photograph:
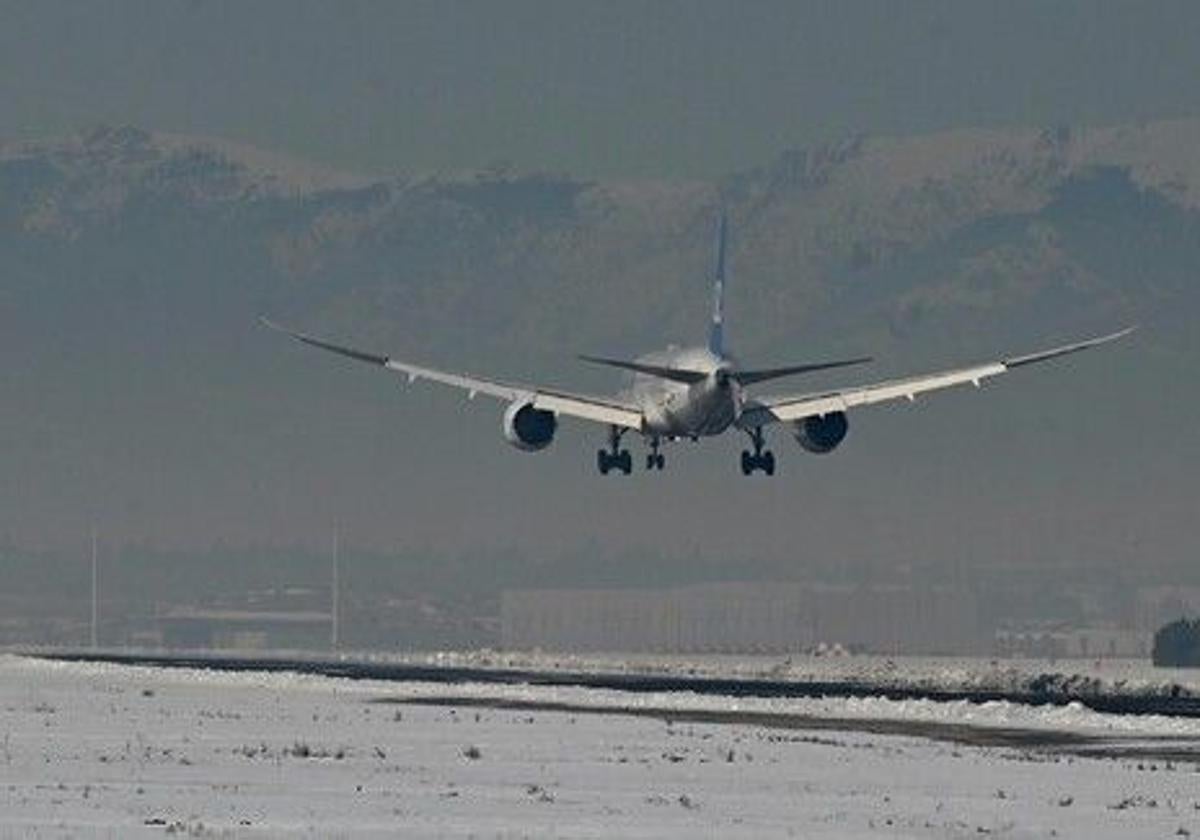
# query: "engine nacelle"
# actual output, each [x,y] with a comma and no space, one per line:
[822,434]
[527,428]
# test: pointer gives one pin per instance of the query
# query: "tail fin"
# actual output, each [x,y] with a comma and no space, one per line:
[716,333]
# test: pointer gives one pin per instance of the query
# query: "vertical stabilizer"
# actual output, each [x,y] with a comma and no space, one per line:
[716,334]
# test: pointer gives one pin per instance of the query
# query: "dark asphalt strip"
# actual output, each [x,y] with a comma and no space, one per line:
[1167,748]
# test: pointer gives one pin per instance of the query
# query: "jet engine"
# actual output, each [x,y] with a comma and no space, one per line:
[527,428]
[822,434]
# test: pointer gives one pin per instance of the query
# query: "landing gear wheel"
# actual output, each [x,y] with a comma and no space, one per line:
[661,461]
[759,459]
[614,458]
[625,462]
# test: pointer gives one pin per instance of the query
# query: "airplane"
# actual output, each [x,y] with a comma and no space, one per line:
[690,393]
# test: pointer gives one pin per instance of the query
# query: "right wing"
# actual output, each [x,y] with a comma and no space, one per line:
[597,409]
[785,409]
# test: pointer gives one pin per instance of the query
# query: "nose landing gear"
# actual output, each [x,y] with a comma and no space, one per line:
[655,460]
[759,459]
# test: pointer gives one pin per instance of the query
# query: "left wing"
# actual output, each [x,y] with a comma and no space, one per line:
[785,409]
[598,409]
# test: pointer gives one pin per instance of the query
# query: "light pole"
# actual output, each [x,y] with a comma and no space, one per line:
[333,607]
[95,590]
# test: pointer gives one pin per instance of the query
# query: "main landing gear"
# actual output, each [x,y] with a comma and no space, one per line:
[758,460]
[655,460]
[614,458]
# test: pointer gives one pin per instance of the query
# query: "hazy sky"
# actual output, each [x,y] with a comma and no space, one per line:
[675,89]
[138,394]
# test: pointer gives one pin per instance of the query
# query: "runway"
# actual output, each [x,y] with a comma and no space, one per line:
[1051,688]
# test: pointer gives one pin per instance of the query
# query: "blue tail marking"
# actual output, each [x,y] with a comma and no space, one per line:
[716,333]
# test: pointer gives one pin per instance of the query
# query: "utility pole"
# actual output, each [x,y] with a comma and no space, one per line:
[333,607]
[95,590]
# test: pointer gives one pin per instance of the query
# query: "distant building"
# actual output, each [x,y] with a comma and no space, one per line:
[1073,643]
[759,617]
[1177,645]
[200,629]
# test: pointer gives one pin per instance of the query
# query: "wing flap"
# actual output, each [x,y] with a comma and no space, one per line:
[788,409]
[471,384]
[597,409]
[587,408]
[785,409]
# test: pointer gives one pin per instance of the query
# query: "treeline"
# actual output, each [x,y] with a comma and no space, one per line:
[1177,645]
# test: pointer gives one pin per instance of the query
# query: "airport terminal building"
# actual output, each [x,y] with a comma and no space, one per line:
[760,617]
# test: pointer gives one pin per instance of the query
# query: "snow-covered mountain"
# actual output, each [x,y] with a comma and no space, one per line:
[959,222]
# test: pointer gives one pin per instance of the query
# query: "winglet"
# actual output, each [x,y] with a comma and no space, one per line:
[1032,358]
[348,352]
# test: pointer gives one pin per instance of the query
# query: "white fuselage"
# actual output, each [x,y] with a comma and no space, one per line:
[676,409]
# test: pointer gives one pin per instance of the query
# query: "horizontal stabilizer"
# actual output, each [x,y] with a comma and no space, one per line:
[687,377]
[749,377]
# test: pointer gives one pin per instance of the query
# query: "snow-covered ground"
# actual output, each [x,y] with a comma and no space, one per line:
[114,751]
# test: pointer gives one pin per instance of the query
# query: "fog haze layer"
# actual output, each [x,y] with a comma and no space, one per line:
[145,396]
[499,187]
[669,89]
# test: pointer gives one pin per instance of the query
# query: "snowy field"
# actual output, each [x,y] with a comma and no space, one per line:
[92,750]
